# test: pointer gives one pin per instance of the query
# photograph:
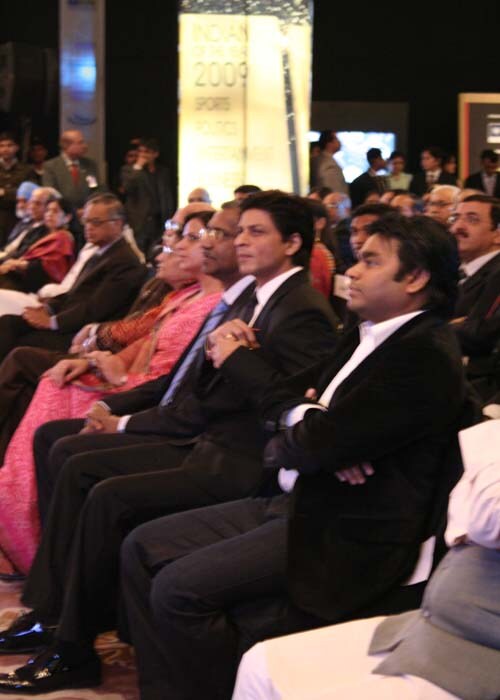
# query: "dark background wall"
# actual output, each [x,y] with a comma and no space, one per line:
[423,55]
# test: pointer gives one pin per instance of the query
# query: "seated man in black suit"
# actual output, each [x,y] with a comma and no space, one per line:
[104,289]
[476,227]
[193,438]
[200,587]
[487,179]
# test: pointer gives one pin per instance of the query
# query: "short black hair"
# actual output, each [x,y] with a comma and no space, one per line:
[325,137]
[64,204]
[397,154]
[492,201]
[318,209]
[321,191]
[375,209]
[489,154]
[426,245]
[7,136]
[372,154]
[247,189]
[150,143]
[436,152]
[290,214]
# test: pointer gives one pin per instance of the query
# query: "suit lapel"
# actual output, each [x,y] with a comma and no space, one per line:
[468,290]
[371,361]
[263,319]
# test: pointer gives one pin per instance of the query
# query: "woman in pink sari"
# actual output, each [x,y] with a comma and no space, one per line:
[69,389]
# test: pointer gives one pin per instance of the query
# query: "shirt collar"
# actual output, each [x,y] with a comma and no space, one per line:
[101,251]
[473,266]
[265,292]
[10,165]
[378,332]
[70,161]
[232,293]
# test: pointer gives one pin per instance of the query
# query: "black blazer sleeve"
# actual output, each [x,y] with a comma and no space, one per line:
[109,289]
[138,399]
[392,393]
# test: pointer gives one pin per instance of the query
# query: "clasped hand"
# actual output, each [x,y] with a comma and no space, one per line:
[110,367]
[224,340]
[99,419]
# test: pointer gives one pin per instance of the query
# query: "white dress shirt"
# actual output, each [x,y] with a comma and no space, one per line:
[265,292]
[473,266]
[474,505]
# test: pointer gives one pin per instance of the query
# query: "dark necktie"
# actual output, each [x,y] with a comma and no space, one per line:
[248,309]
[212,321]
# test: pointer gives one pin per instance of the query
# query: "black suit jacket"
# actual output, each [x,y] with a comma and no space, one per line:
[103,292]
[419,186]
[362,185]
[397,410]
[296,326]
[480,332]
[140,198]
[475,182]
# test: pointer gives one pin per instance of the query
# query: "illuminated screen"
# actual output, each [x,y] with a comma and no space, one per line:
[355,144]
[244,90]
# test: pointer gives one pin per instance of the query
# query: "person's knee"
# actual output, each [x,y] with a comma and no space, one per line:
[175,592]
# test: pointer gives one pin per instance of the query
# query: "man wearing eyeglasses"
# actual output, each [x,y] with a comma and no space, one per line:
[188,439]
[441,203]
[476,228]
[104,289]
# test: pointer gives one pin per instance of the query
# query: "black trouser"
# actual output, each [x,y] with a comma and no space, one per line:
[200,588]
[14,332]
[69,466]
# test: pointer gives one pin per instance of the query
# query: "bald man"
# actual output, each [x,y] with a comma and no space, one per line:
[73,175]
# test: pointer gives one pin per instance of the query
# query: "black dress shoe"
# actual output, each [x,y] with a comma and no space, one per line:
[51,671]
[25,635]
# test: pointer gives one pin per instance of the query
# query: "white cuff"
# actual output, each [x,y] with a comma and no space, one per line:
[122,423]
[295,415]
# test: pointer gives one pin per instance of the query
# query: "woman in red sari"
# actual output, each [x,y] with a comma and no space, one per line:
[59,396]
[47,259]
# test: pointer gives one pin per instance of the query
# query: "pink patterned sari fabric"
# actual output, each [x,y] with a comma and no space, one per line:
[19,524]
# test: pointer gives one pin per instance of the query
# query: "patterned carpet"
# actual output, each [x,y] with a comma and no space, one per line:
[120,680]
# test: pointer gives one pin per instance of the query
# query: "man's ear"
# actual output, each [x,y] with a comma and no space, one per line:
[417,280]
[293,244]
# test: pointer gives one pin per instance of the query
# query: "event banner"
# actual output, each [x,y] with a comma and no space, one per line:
[81,36]
[479,128]
[244,95]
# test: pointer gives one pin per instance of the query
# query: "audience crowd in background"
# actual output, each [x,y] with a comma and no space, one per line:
[222,425]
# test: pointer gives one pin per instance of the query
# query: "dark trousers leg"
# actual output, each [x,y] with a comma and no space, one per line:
[57,442]
[47,465]
[19,375]
[96,458]
[181,575]
[113,508]
[11,329]
[14,332]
